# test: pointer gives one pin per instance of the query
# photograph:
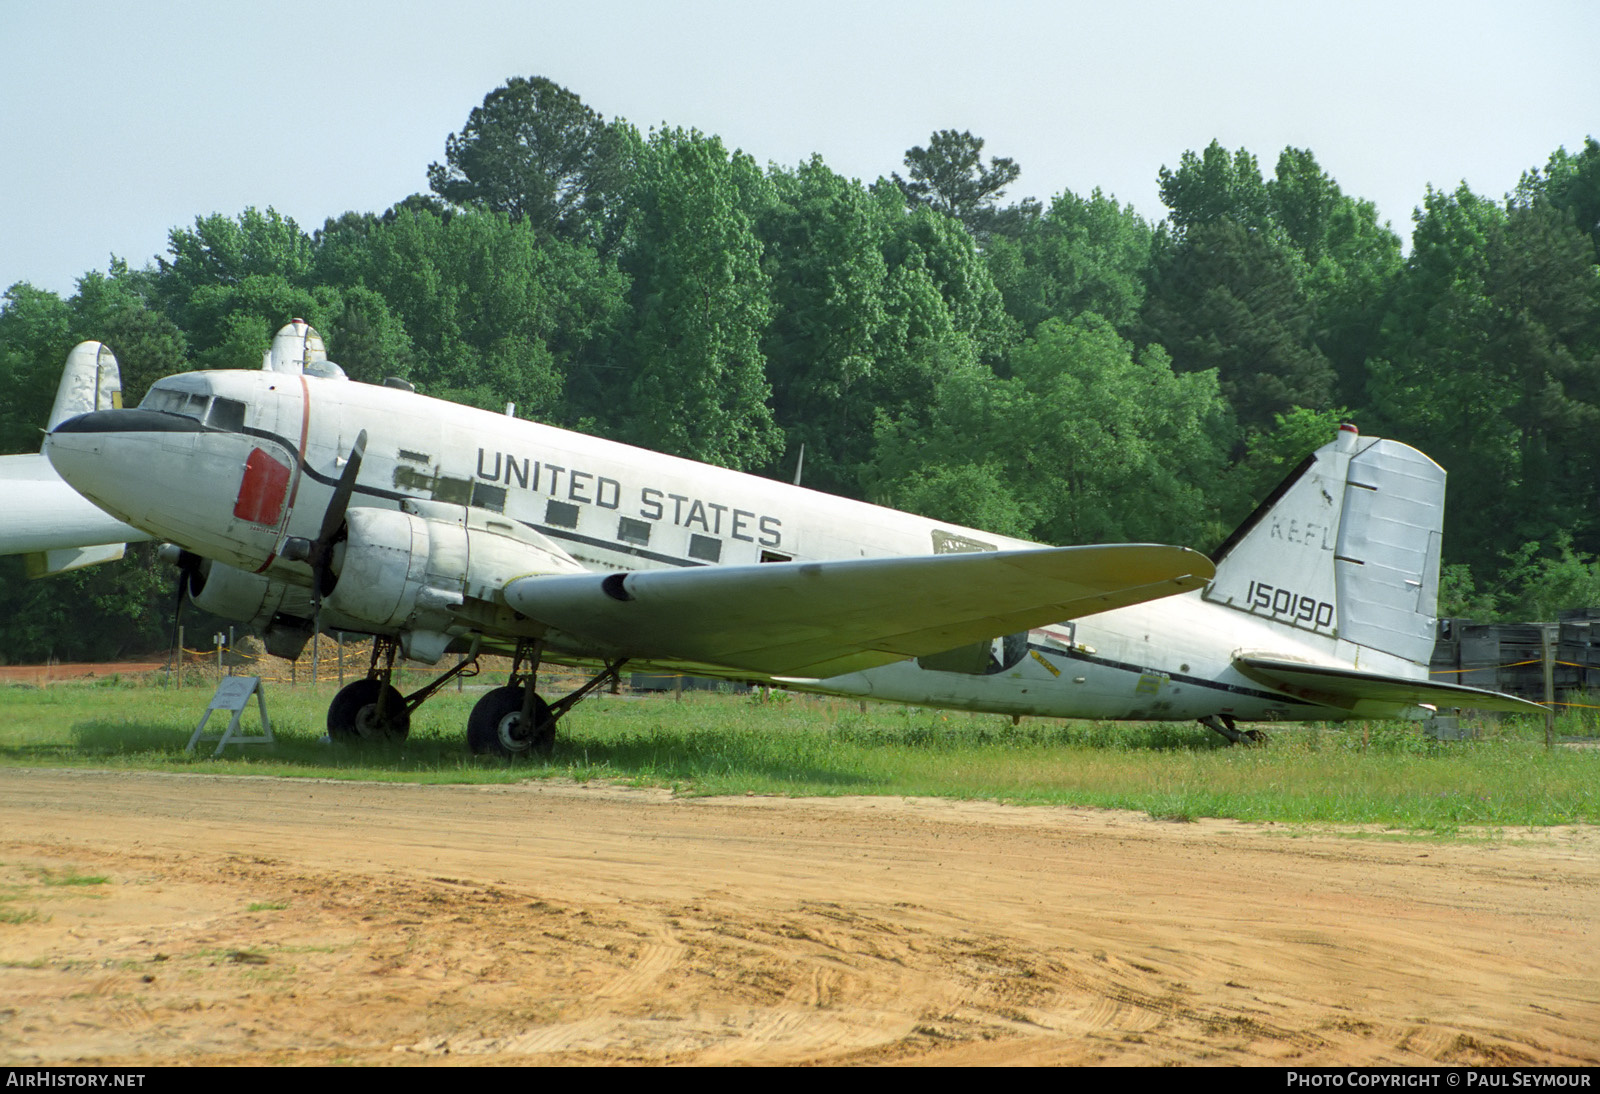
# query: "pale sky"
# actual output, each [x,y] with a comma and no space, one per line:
[122,120]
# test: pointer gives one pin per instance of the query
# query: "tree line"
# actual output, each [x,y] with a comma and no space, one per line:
[1069,372]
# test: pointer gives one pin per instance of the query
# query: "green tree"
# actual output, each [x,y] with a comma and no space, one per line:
[1569,181]
[367,339]
[1349,263]
[232,282]
[1227,298]
[535,152]
[118,311]
[472,306]
[1083,255]
[1491,363]
[928,244]
[1215,185]
[1270,454]
[827,350]
[130,602]
[222,250]
[1086,442]
[701,304]
[949,177]
[35,335]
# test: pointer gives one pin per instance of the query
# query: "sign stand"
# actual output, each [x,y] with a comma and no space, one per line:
[233,693]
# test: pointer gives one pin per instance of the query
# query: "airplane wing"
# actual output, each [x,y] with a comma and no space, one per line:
[57,528]
[1372,693]
[820,619]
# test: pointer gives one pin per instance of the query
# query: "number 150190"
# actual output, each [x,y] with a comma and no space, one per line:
[1285,602]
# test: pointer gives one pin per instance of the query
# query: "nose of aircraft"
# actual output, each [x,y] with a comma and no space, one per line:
[217,492]
[112,457]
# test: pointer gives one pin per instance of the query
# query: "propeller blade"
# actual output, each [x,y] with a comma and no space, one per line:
[341,493]
[188,564]
[321,554]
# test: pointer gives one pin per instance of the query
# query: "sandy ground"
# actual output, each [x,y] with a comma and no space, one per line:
[249,921]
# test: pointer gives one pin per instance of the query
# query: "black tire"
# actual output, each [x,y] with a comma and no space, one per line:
[352,716]
[495,726]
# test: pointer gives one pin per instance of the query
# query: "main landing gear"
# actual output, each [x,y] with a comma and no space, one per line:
[373,710]
[514,720]
[1224,725]
[508,721]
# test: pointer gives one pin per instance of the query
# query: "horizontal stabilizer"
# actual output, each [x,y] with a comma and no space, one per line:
[819,619]
[49,563]
[1371,693]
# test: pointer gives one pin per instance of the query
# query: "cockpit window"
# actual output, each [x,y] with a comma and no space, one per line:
[219,413]
[226,414]
[189,404]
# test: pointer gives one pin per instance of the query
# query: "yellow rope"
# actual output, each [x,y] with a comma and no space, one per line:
[1510,665]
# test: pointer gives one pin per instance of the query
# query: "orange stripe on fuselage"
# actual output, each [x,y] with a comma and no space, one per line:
[300,458]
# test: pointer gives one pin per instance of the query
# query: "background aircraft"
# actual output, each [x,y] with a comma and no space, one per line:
[302,500]
[41,516]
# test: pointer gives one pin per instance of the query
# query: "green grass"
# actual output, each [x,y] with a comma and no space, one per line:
[1386,774]
[38,879]
[68,876]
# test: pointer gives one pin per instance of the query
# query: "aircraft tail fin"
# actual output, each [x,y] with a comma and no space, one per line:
[90,381]
[298,348]
[1346,546]
[50,524]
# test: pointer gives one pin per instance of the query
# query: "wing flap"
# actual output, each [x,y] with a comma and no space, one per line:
[1372,693]
[818,619]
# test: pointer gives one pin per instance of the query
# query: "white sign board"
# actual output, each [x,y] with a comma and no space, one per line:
[233,693]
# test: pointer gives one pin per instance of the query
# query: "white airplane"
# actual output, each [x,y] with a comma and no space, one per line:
[43,518]
[302,500]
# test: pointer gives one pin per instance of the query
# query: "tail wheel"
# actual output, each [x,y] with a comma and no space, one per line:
[495,726]
[353,714]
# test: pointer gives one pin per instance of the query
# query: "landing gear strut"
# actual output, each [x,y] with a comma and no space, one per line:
[1224,725]
[514,720]
[373,710]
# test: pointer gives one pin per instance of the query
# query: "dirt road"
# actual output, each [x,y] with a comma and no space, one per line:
[150,919]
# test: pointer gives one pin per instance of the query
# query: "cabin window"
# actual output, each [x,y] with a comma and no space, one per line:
[633,531]
[488,497]
[561,514]
[705,548]
[776,556]
[980,658]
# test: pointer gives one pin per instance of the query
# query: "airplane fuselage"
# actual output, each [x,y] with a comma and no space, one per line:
[234,465]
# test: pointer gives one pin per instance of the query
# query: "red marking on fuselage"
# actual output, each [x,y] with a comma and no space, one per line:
[261,491]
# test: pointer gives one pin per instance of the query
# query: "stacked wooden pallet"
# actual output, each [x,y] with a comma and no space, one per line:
[1510,657]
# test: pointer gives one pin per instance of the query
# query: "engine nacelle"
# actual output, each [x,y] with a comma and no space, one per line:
[405,572]
[281,612]
[230,593]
